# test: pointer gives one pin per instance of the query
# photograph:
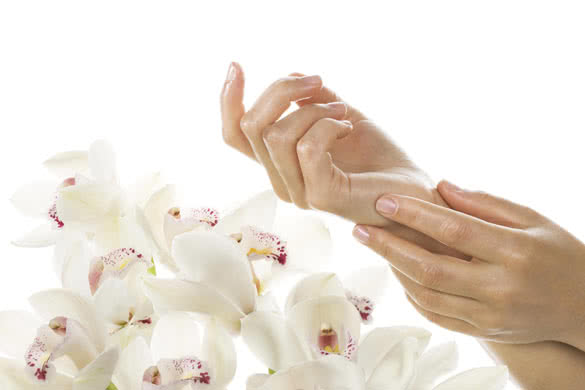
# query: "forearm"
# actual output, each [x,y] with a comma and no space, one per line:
[541,366]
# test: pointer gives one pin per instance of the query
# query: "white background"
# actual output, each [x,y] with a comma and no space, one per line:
[490,95]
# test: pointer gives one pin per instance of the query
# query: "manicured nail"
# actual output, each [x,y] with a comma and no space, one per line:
[451,187]
[361,234]
[232,72]
[338,108]
[311,81]
[386,205]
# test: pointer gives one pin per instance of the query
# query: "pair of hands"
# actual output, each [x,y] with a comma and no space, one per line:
[468,261]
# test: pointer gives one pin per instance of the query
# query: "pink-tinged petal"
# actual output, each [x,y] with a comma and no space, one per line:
[377,344]
[36,198]
[14,377]
[181,295]
[273,341]
[61,337]
[258,245]
[98,374]
[219,350]
[178,221]
[434,364]
[314,286]
[397,369]
[151,219]
[310,317]
[484,378]
[329,372]
[218,261]
[116,264]
[53,303]
[176,334]
[42,236]
[17,329]
[102,161]
[66,164]
[258,211]
[134,361]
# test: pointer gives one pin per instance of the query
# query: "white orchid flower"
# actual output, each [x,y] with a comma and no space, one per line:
[266,240]
[301,354]
[363,288]
[179,357]
[62,347]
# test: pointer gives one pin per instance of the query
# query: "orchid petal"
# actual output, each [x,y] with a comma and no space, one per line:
[134,360]
[36,198]
[370,282]
[12,376]
[485,378]
[435,363]
[376,344]
[144,187]
[330,372]
[308,317]
[258,211]
[182,295]
[152,217]
[267,302]
[88,204]
[102,161]
[220,352]
[53,303]
[273,341]
[179,220]
[308,241]
[256,381]
[217,260]
[75,257]
[396,371]
[114,303]
[175,335]
[314,286]
[98,374]
[68,163]
[42,236]
[17,329]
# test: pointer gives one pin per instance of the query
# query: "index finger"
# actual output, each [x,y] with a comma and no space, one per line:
[460,231]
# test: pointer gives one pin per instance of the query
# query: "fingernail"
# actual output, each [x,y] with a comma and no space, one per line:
[338,108]
[311,80]
[451,187]
[232,72]
[386,205]
[361,234]
[347,123]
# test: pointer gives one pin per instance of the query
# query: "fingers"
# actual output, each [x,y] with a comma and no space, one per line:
[281,141]
[326,95]
[488,207]
[448,305]
[449,323]
[465,233]
[232,110]
[442,273]
[267,109]
[322,178]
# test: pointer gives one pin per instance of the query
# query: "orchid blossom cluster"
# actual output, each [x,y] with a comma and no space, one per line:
[116,323]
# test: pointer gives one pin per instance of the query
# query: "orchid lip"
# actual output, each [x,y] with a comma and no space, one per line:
[115,264]
[169,372]
[363,305]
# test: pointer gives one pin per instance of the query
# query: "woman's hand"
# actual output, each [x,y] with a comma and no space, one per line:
[525,281]
[325,155]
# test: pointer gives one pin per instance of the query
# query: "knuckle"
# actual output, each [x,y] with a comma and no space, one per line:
[229,138]
[273,136]
[249,124]
[307,148]
[453,232]
[317,202]
[430,275]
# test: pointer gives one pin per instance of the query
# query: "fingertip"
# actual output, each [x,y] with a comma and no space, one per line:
[361,233]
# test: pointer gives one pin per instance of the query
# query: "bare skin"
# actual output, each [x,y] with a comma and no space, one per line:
[327,155]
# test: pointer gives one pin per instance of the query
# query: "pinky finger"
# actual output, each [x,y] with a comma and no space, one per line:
[449,323]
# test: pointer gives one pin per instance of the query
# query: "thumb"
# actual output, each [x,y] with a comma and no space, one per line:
[488,207]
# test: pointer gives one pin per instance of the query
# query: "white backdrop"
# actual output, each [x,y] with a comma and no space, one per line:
[487,94]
